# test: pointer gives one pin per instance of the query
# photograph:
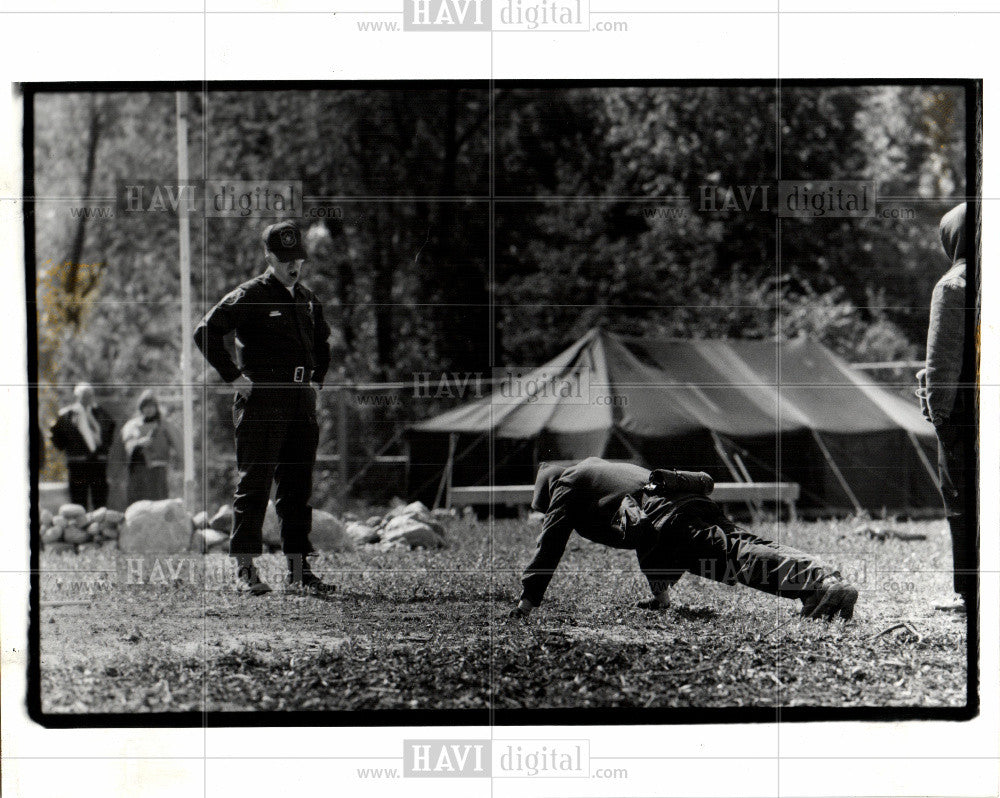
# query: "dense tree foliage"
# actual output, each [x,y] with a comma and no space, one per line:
[454,230]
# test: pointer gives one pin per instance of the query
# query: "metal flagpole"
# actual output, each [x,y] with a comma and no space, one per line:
[184,236]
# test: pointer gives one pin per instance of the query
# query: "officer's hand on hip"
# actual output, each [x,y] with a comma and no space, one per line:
[243,386]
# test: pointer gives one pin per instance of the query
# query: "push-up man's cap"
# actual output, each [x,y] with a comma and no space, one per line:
[284,240]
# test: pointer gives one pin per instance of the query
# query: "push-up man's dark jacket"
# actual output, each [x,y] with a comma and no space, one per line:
[585,497]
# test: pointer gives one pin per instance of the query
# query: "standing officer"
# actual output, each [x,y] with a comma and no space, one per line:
[284,354]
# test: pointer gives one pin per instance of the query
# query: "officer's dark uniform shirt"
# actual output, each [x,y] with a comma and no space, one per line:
[585,497]
[277,333]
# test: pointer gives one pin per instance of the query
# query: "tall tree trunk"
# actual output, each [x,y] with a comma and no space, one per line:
[345,279]
[79,238]
[382,296]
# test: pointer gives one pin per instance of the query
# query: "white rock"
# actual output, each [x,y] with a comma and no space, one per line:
[328,533]
[208,539]
[272,527]
[113,517]
[223,519]
[411,532]
[52,534]
[73,534]
[45,516]
[156,526]
[362,533]
[69,511]
[220,546]
[413,508]
[418,512]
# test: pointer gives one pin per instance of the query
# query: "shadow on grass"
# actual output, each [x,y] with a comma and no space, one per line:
[695,613]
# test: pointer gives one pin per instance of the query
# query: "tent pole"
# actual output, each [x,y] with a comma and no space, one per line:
[452,446]
[444,487]
[184,239]
[343,487]
[373,458]
[923,459]
[458,457]
[837,473]
[406,474]
[628,445]
[720,449]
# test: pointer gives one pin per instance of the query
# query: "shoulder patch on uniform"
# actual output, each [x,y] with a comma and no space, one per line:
[235,295]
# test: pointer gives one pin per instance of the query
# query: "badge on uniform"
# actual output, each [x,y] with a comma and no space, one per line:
[274,313]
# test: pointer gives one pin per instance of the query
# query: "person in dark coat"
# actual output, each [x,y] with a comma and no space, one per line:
[284,350]
[149,443]
[84,432]
[947,392]
[667,518]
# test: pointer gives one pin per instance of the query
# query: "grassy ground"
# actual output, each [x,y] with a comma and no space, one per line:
[430,630]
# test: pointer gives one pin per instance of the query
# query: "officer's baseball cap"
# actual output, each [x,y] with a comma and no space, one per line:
[284,240]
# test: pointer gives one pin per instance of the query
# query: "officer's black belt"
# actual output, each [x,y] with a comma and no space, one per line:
[290,374]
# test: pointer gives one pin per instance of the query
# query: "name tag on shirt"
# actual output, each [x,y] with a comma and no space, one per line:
[274,313]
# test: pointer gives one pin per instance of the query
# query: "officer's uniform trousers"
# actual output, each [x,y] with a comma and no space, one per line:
[276,439]
[692,534]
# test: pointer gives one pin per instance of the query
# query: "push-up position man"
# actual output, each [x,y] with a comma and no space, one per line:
[667,518]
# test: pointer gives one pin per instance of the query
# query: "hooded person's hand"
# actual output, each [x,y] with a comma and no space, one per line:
[921,393]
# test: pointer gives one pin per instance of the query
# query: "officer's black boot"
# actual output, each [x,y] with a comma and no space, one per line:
[301,577]
[247,579]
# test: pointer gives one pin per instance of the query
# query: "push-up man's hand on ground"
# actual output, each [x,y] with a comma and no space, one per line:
[657,603]
[522,610]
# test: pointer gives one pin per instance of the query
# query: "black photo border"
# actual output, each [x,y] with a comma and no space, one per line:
[486,716]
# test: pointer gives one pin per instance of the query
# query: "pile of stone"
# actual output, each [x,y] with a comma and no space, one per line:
[73,527]
[166,527]
[410,526]
[212,533]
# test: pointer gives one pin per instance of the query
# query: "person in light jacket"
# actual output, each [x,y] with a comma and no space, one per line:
[149,444]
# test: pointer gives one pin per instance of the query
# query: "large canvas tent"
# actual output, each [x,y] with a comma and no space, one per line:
[758,410]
